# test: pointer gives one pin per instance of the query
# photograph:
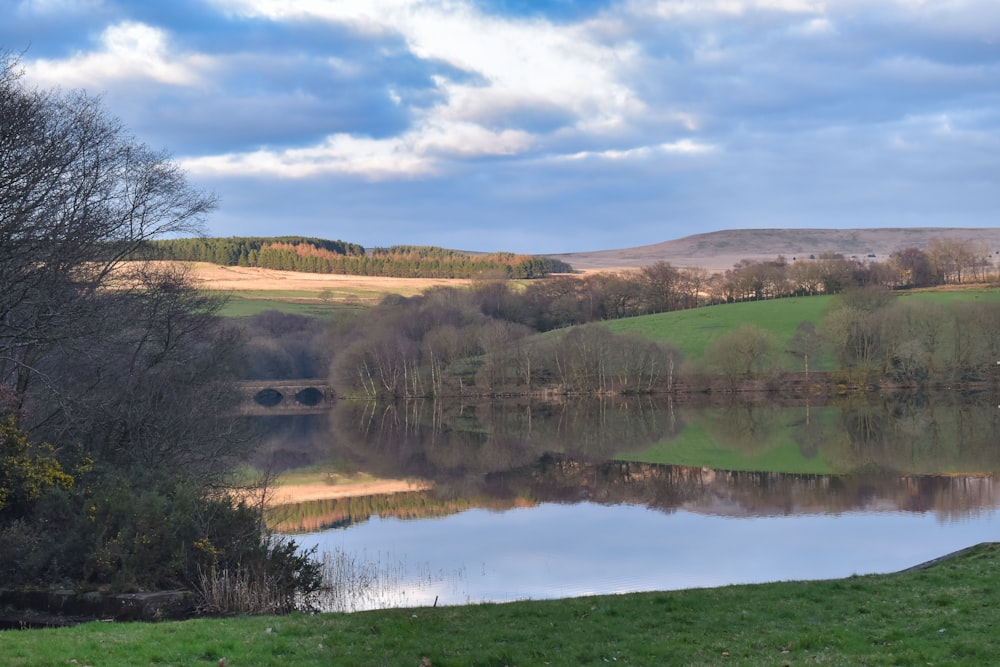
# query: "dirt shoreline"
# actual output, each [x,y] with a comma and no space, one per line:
[289,494]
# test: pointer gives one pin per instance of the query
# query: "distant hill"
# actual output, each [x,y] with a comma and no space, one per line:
[717,251]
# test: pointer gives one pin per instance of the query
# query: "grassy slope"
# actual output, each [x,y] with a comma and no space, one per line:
[692,330]
[242,306]
[944,614]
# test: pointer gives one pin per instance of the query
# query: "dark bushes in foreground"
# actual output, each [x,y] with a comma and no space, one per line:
[141,529]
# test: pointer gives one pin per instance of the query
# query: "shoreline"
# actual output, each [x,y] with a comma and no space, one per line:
[290,494]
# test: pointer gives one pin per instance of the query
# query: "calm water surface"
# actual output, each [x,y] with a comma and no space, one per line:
[557,550]
[537,502]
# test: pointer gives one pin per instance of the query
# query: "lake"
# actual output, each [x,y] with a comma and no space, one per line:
[536,500]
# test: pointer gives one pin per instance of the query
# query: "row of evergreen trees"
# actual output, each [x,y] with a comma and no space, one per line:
[241,250]
[312,255]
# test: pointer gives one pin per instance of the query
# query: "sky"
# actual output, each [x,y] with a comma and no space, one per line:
[545,126]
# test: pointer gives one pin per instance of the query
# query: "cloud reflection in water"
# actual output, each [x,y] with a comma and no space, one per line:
[568,550]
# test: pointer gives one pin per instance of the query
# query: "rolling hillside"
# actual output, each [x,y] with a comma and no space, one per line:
[717,251]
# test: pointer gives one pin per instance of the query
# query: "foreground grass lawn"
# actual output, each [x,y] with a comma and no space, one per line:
[946,614]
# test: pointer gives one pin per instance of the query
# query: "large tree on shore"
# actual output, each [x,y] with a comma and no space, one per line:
[78,194]
[121,366]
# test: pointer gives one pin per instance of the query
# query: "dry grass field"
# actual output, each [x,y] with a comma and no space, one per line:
[713,251]
[245,279]
[254,290]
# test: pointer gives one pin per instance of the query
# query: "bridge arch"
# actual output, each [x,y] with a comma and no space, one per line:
[264,396]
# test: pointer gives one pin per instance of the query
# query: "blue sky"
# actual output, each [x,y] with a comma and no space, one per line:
[546,126]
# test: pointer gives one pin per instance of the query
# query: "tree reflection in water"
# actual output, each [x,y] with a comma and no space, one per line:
[548,499]
[908,453]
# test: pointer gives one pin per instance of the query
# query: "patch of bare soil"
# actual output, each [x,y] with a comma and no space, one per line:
[300,493]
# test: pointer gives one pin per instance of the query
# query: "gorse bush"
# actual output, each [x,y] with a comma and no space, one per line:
[130,530]
[26,470]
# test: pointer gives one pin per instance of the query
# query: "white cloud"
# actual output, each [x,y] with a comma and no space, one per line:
[413,154]
[339,154]
[516,64]
[688,146]
[128,51]
[529,60]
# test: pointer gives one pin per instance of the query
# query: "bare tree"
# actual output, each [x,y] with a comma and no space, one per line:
[78,196]
[954,260]
[692,283]
[806,344]
[913,267]
[806,277]
[743,354]
[856,328]
[660,287]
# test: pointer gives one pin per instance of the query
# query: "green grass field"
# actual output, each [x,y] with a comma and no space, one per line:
[238,306]
[945,614]
[691,331]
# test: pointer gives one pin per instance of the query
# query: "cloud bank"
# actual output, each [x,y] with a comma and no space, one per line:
[548,126]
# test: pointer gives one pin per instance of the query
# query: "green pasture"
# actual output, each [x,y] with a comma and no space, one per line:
[323,305]
[691,331]
[237,306]
[944,614]
[311,303]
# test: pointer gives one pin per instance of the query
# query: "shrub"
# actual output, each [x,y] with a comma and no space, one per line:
[26,470]
[145,529]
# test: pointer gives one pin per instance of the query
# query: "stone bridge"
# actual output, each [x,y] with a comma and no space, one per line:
[280,397]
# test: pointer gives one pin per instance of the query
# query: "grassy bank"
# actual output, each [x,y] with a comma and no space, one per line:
[691,331]
[943,614]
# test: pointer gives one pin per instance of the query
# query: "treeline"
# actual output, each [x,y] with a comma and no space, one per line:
[449,342]
[877,337]
[311,255]
[432,262]
[246,251]
[945,261]
[563,301]
[452,341]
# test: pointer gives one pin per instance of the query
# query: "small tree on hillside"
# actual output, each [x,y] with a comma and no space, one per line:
[806,344]
[743,354]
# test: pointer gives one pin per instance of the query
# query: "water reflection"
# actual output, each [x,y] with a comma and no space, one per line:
[556,550]
[664,488]
[919,434]
[539,499]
